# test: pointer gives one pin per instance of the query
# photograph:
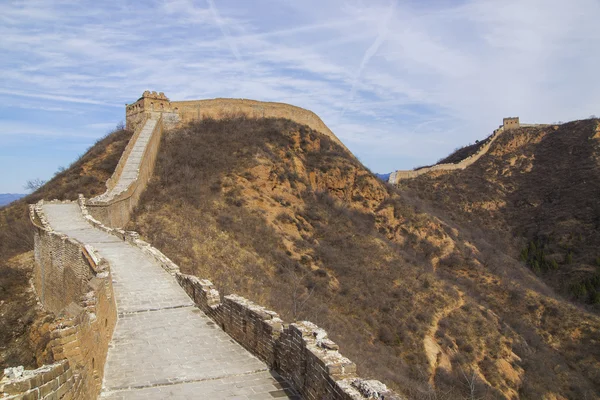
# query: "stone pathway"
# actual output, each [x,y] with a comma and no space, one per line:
[132,164]
[163,346]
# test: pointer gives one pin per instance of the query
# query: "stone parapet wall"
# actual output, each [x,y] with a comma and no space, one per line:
[86,317]
[114,178]
[397,176]
[220,108]
[55,381]
[300,352]
[116,211]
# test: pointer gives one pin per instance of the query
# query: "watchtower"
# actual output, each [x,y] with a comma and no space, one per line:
[511,123]
[150,103]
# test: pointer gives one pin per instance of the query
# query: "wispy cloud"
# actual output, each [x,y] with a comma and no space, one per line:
[53,97]
[224,29]
[374,47]
[401,83]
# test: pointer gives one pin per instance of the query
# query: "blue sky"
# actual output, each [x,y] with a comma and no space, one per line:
[401,83]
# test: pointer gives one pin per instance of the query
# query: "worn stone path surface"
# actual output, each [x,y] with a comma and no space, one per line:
[163,346]
[133,162]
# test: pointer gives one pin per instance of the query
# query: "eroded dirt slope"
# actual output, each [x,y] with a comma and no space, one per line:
[541,186]
[282,215]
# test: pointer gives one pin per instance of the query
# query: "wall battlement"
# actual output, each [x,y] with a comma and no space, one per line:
[74,281]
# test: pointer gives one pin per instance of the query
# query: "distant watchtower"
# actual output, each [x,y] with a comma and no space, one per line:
[511,123]
[150,103]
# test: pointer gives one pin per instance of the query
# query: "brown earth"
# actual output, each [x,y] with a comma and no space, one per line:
[540,186]
[281,214]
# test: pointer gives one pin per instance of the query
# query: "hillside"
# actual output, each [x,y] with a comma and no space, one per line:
[539,185]
[285,216]
[22,323]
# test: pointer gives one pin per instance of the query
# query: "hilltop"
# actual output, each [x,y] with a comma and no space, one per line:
[425,286]
[537,191]
[287,217]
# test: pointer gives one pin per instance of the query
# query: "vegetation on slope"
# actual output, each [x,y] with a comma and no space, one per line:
[23,324]
[282,215]
[463,152]
[541,185]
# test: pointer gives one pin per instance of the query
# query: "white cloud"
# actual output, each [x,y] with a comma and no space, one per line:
[412,79]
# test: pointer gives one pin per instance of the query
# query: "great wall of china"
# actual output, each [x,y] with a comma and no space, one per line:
[508,124]
[130,325]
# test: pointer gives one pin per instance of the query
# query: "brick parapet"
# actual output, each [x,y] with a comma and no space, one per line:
[86,317]
[301,352]
[55,381]
[114,209]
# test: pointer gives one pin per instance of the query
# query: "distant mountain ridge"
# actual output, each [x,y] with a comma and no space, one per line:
[383,177]
[6,198]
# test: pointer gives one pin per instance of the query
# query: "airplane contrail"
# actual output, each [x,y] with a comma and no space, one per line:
[372,50]
[224,29]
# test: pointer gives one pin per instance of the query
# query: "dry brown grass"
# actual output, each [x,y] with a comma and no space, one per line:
[539,185]
[278,213]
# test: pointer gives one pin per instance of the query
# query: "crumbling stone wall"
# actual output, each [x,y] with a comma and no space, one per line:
[300,352]
[85,318]
[50,381]
[116,211]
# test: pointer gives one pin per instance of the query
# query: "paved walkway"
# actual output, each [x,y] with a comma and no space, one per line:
[163,346]
[132,164]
